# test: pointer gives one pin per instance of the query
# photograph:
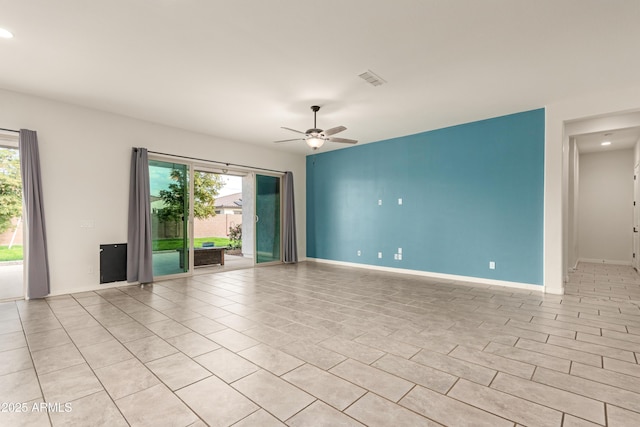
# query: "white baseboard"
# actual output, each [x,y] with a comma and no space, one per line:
[443,276]
[604,261]
[92,288]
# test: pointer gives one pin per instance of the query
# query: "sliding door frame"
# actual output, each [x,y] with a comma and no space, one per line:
[203,166]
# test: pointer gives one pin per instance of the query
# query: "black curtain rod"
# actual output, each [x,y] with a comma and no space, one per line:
[215,161]
[10,130]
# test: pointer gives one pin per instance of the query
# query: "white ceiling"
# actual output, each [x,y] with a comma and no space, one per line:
[620,139]
[241,69]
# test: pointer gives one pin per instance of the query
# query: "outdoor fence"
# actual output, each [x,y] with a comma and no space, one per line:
[217,226]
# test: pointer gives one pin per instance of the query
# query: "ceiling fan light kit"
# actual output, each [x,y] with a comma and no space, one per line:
[315,137]
[315,142]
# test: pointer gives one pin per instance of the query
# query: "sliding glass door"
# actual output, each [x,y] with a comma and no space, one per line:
[267,219]
[11,249]
[169,185]
[171,228]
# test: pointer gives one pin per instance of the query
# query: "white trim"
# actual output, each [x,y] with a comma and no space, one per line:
[93,288]
[451,278]
[448,277]
[604,261]
[213,166]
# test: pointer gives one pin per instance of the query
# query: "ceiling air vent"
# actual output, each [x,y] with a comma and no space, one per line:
[372,78]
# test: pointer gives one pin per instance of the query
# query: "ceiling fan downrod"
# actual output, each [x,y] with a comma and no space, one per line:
[315,109]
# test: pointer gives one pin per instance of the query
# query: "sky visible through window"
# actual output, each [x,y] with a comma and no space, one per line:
[233,184]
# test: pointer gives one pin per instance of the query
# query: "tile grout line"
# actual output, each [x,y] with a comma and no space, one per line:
[35,371]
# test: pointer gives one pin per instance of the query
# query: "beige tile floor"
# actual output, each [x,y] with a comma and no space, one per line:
[316,345]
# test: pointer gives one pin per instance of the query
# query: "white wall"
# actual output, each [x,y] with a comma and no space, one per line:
[85,160]
[605,209]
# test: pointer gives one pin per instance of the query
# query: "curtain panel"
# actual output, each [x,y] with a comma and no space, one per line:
[139,249]
[290,245]
[37,265]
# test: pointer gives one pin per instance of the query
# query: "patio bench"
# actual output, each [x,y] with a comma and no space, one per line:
[204,256]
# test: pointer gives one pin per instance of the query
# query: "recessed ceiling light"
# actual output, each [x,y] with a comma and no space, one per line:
[605,143]
[5,34]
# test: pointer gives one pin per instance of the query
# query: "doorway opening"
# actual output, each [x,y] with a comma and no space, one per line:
[11,223]
[600,196]
[228,224]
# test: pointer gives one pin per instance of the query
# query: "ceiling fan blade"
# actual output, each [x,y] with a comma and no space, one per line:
[289,140]
[343,140]
[334,130]
[293,130]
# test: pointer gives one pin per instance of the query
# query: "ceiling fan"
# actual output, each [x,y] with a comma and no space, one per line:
[315,137]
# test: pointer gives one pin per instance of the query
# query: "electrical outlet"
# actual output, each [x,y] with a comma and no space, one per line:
[379,254]
[492,265]
[395,256]
[399,251]
[399,257]
[359,252]
[400,201]
[379,202]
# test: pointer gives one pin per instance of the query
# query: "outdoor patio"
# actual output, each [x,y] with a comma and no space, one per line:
[168,262]
[11,280]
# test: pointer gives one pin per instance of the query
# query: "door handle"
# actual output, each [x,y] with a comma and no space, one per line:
[257,218]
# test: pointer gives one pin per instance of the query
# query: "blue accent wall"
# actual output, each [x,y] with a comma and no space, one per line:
[471,194]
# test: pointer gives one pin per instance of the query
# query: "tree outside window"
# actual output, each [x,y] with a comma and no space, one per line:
[10,187]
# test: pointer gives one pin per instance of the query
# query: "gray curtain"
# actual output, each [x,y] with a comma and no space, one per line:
[290,246]
[139,250]
[36,256]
